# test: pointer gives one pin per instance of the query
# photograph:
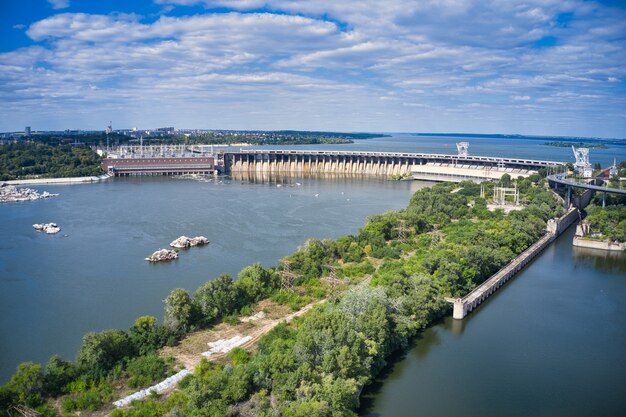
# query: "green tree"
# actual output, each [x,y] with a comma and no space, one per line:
[28,383]
[102,351]
[147,336]
[58,374]
[178,311]
[255,283]
[216,299]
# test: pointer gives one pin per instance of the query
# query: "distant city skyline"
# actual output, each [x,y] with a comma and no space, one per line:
[538,67]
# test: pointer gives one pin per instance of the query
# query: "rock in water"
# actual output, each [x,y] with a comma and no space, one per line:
[199,241]
[49,228]
[10,193]
[182,242]
[162,255]
[185,242]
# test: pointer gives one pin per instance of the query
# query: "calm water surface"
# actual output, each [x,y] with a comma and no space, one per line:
[93,276]
[549,343]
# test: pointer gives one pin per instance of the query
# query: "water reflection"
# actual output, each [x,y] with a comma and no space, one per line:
[603,260]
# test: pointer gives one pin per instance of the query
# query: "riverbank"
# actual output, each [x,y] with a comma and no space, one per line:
[346,340]
[57,181]
[463,306]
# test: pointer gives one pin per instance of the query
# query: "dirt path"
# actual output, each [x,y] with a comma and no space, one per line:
[188,352]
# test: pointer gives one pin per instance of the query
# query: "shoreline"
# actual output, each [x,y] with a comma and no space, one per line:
[68,180]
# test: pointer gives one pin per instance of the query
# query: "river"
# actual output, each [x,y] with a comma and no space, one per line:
[92,275]
[549,343]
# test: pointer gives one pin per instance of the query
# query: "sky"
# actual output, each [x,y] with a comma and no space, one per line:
[537,67]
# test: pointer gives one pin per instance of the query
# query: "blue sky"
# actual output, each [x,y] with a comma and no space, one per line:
[540,67]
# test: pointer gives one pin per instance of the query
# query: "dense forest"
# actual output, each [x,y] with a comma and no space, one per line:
[395,286]
[38,160]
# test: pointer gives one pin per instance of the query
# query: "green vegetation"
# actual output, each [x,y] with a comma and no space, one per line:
[37,160]
[607,223]
[318,364]
[566,144]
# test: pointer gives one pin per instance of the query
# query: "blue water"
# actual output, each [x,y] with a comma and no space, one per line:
[531,148]
[549,343]
[92,275]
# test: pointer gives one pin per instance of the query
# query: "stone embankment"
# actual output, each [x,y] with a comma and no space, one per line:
[584,238]
[70,180]
[463,306]
[162,255]
[10,194]
[185,242]
[583,242]
[49,228]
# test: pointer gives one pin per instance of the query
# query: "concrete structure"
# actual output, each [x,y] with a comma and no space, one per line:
[585,238]
[158,166]
[436,167]
[560,180]
[583,242]
[27,131]
[463,306]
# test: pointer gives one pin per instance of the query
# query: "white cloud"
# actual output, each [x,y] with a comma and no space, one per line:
[59,4]
[460,61]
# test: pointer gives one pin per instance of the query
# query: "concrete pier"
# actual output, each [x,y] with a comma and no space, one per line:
[463,306]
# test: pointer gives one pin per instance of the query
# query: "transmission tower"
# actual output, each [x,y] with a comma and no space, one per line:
[402,231]
[331,279]
[25,411]
[287,277]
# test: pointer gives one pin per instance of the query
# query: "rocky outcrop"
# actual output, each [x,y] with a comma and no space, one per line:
[49,228]
[162,255]
[10,193]
[185,242]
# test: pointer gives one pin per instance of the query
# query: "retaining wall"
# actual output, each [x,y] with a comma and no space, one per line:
[463,306]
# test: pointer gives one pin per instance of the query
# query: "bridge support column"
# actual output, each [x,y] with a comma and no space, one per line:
[568,201]
[460,309]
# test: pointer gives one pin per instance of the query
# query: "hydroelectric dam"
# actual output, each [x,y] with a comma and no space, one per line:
[202,159]
[419,166]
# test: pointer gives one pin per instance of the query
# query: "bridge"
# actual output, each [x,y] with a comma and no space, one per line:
[561,180]
[425,166]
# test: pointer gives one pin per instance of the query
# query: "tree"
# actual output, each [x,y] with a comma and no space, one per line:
[58,374]
[254,283]
[101,352]
[178,311]
[216,299]
[147,336]
[505,180]
[28,383]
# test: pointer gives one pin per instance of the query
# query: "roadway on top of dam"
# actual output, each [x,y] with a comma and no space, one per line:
[560,179]
[432,156]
